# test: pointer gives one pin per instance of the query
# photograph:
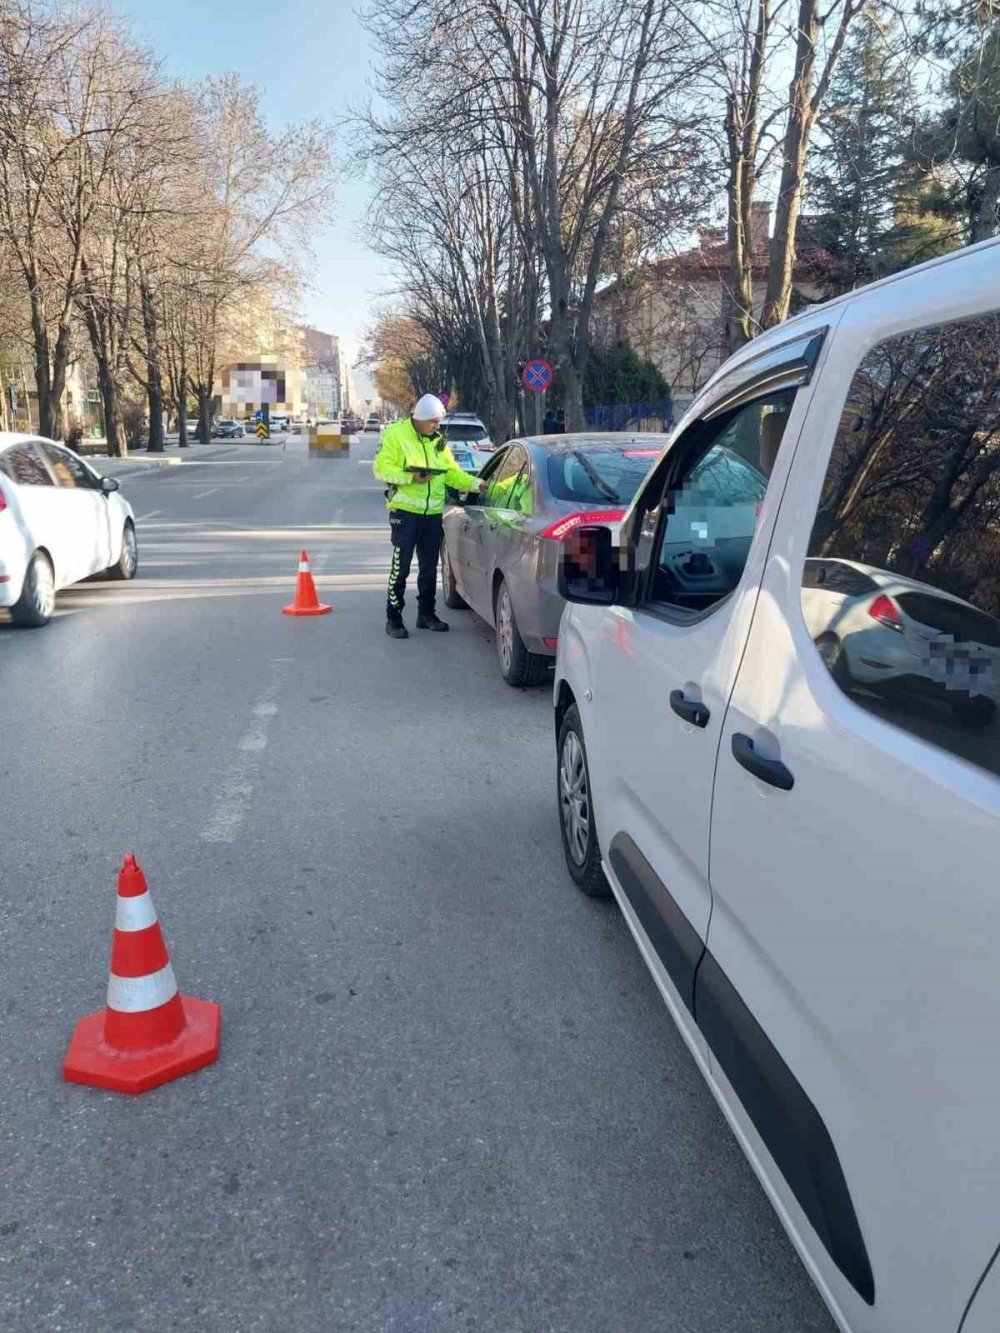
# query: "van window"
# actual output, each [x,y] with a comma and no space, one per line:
[901,587]
[709,518]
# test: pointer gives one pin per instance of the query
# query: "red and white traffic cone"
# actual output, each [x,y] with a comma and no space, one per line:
[306,602]
[149,1033]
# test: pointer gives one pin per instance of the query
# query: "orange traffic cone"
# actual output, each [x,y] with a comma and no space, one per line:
[149,1033]
[306,602]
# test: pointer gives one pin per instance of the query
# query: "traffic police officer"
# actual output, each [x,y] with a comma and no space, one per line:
[416,464]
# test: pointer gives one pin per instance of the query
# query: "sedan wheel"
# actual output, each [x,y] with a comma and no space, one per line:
[452,597]
[38,596]
[518,666]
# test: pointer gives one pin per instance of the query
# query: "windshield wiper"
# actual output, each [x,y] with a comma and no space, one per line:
[595,477]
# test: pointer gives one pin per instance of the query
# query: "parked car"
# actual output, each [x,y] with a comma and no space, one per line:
[60,521]
[763,705]
[227,429]
[500,549]
[468,439]
[373,422]
[896,637]
[349,423]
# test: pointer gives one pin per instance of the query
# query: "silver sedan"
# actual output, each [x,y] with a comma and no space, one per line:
[500,550]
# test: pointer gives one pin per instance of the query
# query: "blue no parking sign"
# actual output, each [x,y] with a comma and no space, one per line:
[538,375]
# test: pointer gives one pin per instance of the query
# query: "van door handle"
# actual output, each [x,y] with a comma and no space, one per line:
[771,771]
[691,711]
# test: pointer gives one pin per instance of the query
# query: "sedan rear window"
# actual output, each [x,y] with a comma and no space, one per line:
[590,474]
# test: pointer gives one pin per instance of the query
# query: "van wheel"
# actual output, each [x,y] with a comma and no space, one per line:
[517,666]
[831,650]
[977,712]
[452,597]
[576,810]
[38,596]
[128,560]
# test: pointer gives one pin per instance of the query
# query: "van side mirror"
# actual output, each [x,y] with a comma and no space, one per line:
[588,567]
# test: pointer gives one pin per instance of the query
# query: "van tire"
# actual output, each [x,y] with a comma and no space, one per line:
[572,784]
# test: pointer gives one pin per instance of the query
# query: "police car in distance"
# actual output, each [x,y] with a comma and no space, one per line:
[469,440]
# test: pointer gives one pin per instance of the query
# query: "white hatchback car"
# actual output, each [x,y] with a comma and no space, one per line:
[60,522]
[779,748]
[468,439]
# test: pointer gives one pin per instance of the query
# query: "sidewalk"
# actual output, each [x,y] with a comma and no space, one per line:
[140,461]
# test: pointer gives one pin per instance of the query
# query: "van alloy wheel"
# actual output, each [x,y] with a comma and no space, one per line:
[574,798]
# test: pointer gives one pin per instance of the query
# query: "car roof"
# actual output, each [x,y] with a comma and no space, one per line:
[9,437]
[596,439]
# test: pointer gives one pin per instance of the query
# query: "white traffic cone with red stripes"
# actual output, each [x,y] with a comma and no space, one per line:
[149,1033]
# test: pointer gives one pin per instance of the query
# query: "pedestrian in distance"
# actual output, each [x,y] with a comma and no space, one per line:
[417,466]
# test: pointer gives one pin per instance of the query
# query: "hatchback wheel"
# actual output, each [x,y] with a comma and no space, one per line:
[518,666]
[452,597]
[576,810]
[38,596]
[128,561]
[831,650]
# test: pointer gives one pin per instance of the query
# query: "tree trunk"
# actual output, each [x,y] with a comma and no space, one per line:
[182,413]
[154,372]
[985,219]
[114,426]
[49,392]
[204,421]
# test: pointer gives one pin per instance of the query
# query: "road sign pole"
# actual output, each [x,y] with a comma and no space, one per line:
[538,412]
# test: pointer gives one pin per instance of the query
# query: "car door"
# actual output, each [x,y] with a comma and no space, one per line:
[663,665]
[83,512]
[476,533]
[506,505]
[851,986]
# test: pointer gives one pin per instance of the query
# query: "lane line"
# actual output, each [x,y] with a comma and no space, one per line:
[201,495]
[229,813]
[141,518]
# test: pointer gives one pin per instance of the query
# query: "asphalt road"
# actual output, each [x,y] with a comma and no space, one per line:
[449,1097]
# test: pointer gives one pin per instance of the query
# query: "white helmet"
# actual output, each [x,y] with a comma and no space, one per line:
[429,408]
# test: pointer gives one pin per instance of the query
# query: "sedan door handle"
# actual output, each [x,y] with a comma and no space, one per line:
[690,710]
[771,771]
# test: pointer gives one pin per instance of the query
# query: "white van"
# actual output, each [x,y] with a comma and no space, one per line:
[779,748]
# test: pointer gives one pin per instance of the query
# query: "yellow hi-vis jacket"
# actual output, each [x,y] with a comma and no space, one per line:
[403,451]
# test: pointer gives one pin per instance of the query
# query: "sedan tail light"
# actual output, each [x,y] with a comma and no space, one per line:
[3,500]
[884,610]
[564,526]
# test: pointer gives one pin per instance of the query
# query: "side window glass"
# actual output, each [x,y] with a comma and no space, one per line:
[907,617]
[26,466]
[503,482]
[67,470]
[700,535]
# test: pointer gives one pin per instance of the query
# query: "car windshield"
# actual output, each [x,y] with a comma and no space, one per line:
[470,431]
[599,473]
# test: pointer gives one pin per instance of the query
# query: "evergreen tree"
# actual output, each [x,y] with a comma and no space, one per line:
[617,374]
[868,198]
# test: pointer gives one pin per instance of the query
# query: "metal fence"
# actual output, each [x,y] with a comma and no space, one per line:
[655,415]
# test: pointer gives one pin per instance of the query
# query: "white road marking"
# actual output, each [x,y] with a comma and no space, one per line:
[141,518]
[236,788]
[201,494]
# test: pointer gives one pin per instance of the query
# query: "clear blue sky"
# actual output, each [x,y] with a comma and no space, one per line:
[309,58]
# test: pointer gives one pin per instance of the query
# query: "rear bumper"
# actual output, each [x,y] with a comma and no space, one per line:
[537,603]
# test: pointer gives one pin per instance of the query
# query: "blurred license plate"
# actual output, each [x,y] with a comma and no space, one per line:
[462,457]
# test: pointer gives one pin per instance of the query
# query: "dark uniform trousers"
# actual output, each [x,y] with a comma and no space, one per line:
[420,533]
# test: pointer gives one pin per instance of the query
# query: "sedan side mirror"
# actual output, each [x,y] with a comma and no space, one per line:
[588,567]
[109,484]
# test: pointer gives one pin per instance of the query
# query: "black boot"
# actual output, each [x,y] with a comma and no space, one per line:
[431,621]
[395,628]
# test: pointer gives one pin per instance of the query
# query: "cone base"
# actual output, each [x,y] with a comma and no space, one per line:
[294,610]
[91,1061]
